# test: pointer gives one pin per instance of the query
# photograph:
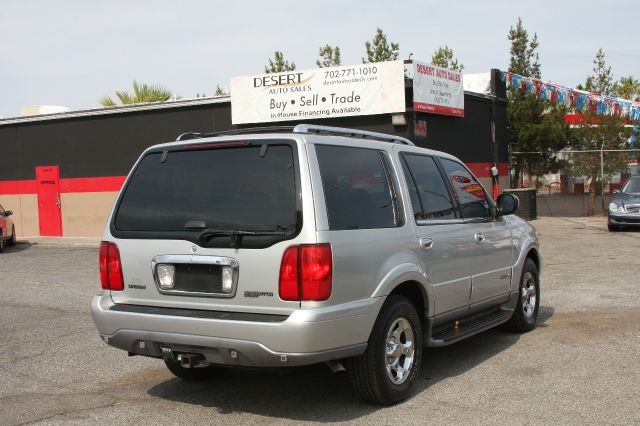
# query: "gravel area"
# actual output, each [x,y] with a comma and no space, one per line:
[580,366]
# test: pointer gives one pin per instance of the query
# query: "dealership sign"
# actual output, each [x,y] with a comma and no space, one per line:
[374,88]
[437,90]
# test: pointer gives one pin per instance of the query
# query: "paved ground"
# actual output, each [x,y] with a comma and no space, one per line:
[580,366]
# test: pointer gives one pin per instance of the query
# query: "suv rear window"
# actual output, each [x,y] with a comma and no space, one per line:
[356,188]
[248,188]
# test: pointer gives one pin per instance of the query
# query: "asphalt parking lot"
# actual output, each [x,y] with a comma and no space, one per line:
[580,366]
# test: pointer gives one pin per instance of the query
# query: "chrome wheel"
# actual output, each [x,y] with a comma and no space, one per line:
[400,350]
[529,295]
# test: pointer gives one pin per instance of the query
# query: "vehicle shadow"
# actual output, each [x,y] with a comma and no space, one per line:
[315,394]
[20,246]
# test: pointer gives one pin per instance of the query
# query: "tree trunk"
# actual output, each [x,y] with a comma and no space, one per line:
[592,197]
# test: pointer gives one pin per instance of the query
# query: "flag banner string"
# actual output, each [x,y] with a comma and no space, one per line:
[579,100]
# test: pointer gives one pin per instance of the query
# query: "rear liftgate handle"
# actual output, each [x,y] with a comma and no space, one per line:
[426,243]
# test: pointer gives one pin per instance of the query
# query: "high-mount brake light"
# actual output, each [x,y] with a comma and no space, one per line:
[216,145]
[306,273]
[110,267]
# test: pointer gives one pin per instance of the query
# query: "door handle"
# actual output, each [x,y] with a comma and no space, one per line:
[479,237]
[58,201]
[426,243]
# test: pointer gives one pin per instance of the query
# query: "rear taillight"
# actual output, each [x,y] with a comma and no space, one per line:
[110,267]
[305,273]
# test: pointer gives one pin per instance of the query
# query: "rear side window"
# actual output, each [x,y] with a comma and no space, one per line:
[471,196]
[249,188]
[429,195]
[356,188]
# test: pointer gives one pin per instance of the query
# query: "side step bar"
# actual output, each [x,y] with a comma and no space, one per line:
[458,330]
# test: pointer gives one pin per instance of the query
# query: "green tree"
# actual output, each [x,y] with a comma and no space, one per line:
[279,64]
[142,92]
[220,91]
[627,88]
[534,125]
[443,57]
[601,132]
[597,132]
[329,56]
[601,81]
[524,58]
[379,50]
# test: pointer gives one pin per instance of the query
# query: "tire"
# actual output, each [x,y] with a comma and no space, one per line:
[613,228]
[372,375]
[1,241]
[12,241]
[193,374]
[525,314]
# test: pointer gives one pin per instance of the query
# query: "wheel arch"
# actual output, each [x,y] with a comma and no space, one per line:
[417,295]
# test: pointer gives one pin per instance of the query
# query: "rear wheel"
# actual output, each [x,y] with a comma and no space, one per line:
[193,374]
[526,312]
[386,372]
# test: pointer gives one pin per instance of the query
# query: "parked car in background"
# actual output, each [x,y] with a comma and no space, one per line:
[7,229]
[316,245]
[624,210]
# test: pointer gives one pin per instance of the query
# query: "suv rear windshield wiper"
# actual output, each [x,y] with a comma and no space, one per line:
[236,236]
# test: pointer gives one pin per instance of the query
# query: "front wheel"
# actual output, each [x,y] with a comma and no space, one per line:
[613,228]
[526,312]
[386,372]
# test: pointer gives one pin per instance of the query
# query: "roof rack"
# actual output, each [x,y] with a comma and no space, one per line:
[354,133]
[193,135]
[303,128]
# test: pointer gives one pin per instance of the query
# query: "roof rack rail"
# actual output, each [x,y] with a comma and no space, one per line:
[354,133]
[193,135]
[302,128]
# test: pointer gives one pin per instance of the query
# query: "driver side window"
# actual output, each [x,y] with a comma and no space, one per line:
[470,194]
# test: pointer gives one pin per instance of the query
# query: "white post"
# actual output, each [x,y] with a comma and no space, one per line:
[602,178]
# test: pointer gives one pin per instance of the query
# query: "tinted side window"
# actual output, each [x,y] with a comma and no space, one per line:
[429,195]
[356,188]
[468,190]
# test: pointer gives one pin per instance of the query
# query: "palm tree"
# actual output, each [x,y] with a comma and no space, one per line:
[142,92]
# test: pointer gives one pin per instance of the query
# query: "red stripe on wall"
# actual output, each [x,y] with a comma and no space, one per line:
[11,187]
[114,183]
[90,184]
[484,169]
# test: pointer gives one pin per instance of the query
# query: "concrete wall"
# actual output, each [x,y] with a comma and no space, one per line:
[569,204]
[84,214]
[25,213]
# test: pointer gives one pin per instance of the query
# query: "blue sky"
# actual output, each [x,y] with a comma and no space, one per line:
[73,52]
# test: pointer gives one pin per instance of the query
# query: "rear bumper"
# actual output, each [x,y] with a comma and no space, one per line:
[307,336]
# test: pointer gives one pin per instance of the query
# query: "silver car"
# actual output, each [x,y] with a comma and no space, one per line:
[320,244]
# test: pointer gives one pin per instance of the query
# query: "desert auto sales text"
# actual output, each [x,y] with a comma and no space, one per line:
[427,70]
[278,80]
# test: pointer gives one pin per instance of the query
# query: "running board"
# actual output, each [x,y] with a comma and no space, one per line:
[461,329]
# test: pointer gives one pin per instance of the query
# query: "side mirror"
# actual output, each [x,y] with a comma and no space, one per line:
[616,191]
[7,213]
[507,204]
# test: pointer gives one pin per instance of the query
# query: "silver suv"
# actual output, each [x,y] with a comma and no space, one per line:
[314,245]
